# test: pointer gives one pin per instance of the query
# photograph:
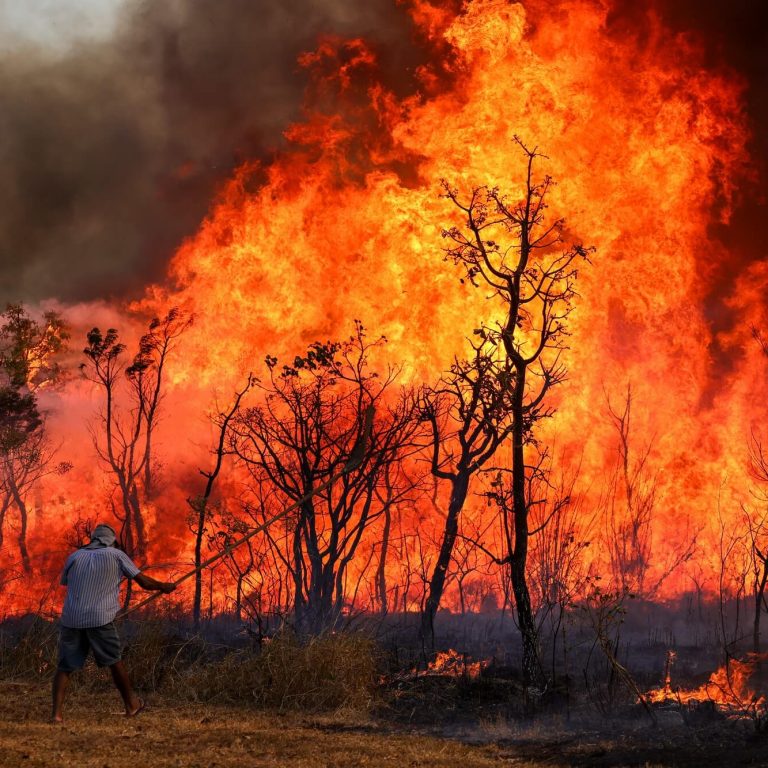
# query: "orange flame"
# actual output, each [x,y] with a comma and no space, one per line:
[647,145]
[728,688]
[455,664]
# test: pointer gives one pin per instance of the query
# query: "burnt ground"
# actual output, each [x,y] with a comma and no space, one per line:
[479,712]
[170,733]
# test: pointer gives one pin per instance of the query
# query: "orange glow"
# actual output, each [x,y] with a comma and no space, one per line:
[728,688]
[646,145]
[454,664]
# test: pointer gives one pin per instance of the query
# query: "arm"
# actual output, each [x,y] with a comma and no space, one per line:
[130,570]
[153,585]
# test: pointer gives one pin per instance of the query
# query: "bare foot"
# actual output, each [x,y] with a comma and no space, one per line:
[57,720]
[137,710]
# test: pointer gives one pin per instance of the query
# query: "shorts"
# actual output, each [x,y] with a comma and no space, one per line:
[74,645]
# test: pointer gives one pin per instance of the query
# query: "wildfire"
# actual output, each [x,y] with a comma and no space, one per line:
[728,688]
[646,144]
[452,663]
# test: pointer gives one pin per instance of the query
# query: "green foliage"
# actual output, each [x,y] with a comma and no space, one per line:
[28,361]
[28,349]
[19,418]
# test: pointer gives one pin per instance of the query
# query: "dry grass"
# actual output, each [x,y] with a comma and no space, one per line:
[28,650]
[325,673]
[96,735]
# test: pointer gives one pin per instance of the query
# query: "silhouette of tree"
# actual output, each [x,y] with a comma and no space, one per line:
[301,434]
[124,430]
[511,247]
[29,351]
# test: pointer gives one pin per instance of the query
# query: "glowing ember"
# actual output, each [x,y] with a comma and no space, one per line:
[454,664]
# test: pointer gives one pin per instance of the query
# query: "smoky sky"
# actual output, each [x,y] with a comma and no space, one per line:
[112,151]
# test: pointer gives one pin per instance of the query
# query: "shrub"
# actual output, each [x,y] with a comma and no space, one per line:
[332,671]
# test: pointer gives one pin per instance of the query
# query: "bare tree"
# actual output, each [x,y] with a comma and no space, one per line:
[200,505]
[301,434]
[21,469]
[399,488]
[561,533]
[132,395]
[630,503]
[513,249]
[757,525]
[468,413]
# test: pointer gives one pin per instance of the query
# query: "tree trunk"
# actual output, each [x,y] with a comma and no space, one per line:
[199,531]
[23,520]
[460,486]
[531,663]
[381,573]
[759,597]
[532,673]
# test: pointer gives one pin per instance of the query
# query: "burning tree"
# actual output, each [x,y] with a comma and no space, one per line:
[512,248]
[28,363]
[125,441]
[469,415]
[302,434]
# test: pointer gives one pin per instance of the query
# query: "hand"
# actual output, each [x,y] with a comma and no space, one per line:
[166,587]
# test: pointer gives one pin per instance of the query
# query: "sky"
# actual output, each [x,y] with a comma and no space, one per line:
[116,128]
[55,24]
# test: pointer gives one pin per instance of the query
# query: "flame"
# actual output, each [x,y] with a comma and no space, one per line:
[452,663]
[647,144]
[728,688]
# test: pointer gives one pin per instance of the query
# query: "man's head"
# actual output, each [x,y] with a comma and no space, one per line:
[104,534]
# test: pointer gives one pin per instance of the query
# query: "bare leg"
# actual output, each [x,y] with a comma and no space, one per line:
[60,685]
[123,683]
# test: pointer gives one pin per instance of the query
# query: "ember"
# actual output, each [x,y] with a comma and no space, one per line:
[454,664]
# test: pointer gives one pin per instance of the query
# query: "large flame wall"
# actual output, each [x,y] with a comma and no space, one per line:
[647,146]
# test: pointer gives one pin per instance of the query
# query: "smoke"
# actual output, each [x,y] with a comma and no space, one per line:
[111,151]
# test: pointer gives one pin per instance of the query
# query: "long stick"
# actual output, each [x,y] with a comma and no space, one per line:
[356,457]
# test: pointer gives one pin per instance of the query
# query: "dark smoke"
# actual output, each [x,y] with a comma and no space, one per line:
[111,153]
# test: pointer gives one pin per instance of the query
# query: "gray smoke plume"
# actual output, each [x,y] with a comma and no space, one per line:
[111,151]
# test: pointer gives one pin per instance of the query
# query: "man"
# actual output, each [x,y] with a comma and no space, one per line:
[92,576]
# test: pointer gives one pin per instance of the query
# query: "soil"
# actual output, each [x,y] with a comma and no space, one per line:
[96,734]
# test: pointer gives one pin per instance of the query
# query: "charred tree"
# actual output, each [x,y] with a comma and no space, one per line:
[200,504]
[132,395]
[468,413]
[302,433]
[513,249]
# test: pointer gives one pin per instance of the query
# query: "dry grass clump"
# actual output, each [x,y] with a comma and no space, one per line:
[329,672]
[28,648]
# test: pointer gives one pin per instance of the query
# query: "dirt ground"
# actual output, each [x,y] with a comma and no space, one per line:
[96,734]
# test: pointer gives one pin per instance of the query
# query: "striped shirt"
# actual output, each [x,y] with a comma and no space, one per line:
[92,578]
